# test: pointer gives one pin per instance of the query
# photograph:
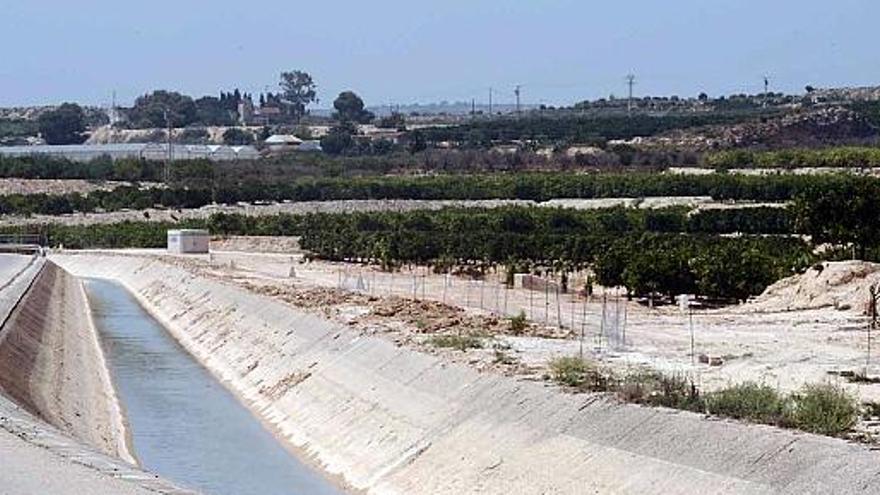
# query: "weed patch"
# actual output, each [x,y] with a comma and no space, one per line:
[460,342]
[825,409]
[750,401]
[581,374]
[519,323]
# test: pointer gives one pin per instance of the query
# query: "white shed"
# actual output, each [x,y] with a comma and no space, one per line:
[188,241]
[283,142]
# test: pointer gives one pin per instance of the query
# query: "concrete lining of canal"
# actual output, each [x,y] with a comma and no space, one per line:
[55,389]
[183,423]
[391,420]
[52,364]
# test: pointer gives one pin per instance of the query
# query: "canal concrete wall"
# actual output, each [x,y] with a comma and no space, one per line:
[394,421]
[51,362]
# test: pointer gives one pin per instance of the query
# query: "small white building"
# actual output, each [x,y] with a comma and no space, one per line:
[188,241]
[283,142]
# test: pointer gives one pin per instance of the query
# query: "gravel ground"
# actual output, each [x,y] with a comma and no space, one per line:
[60,186]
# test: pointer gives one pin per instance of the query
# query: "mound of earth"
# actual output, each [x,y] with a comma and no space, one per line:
[843,285]
[827,126]
[800,129]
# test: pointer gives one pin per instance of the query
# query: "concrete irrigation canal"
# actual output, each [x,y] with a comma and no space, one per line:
[97,375]
[183,424]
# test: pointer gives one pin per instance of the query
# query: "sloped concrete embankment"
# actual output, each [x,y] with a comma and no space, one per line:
[393,421]
[52,365]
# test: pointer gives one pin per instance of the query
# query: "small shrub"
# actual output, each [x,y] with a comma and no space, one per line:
[579,373]
[502,357]
[749,401]
[677,392]
[569,371]
[460,342]
[637,387]
[656,389]
[825,409]
[519,323]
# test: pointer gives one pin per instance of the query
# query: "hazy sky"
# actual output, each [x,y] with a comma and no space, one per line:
[408,50]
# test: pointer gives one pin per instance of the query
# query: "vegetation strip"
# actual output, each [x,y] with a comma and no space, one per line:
[524,186]
[824,409]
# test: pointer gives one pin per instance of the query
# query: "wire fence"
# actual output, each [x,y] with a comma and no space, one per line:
[599,321]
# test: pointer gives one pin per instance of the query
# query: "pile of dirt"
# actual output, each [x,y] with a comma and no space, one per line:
[806,128]
[399,315]
[323,298]
[844,285]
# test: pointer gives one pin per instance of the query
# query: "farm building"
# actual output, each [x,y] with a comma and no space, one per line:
[283,142]
[145,151]
[188,241]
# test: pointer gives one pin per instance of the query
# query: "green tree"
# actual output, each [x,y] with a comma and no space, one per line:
[417,142]
[847,212]
[394,121]
[350,108]
[151,110]
[297,92]
[339,139]
[211,111]
[237,137]
[64,125]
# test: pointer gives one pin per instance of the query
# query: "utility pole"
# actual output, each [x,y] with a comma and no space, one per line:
[114,115]
[874,291]
[630,81]
[517,92]
[168,157]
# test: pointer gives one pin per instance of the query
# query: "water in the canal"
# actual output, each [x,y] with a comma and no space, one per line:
[184,425]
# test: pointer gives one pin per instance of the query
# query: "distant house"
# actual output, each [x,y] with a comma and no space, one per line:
[265,115]
[379,133]
[283,142]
